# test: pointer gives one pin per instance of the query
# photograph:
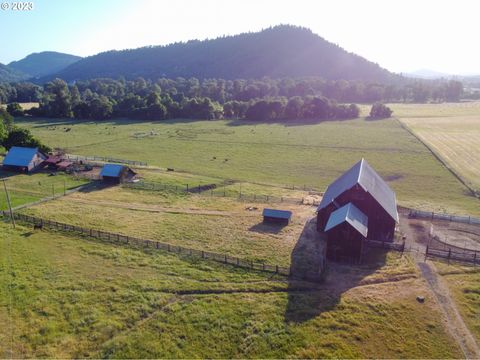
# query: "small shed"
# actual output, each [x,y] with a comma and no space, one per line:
[116,173]
[23,159]
[346,229]
[280,217]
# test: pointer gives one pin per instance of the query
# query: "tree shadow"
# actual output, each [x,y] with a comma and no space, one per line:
[267,228]
[323,290]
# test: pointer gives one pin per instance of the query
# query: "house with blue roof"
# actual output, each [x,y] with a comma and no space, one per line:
[23,159]
[116,173]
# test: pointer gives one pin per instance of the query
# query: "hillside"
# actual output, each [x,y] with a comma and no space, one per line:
[8,75]
[282,51]
[43,63]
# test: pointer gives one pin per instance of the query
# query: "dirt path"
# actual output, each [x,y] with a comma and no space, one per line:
[416,232]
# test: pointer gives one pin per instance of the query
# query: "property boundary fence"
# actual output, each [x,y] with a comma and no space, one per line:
[105,159]
[439,216]
[125,239]
[216,190]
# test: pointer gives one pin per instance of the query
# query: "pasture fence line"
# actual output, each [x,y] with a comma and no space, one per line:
[400,247]
[471,257]
[105,159]
[218,190]
[176,249]
[419,214]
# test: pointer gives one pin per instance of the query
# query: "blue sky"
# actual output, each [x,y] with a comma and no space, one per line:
[401,35]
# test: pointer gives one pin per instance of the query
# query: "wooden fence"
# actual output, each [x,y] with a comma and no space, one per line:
[466,257]
[130,240]
[215,190]
[419,214]
[385,245]
[105,159]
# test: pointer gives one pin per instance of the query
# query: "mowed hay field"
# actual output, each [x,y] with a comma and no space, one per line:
[63,296]
[456,140]
[278,154]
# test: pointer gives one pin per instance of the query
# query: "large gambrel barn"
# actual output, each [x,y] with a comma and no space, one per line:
[370,205]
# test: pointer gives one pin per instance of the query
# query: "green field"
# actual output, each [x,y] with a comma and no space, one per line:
[70,297]
[278,154]
[27,188]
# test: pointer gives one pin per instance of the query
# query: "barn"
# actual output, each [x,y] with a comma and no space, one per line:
[279,217]
[346,229]
[116,173]
[369,193]
[23,159]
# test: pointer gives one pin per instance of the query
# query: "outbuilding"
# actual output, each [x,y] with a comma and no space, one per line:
[23,159]
[279,217]
[116,173]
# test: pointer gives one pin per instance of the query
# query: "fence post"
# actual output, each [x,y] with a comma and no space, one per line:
[426,254]
[276,269]
[225,258]
[187,187]
[449,254]
[203,254]
[474,258]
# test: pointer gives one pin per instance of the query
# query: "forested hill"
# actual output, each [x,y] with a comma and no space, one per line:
[282,51]
[43,63]
[10,75]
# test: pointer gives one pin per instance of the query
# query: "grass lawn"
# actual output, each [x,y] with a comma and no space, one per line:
[279,154]
[27,188]
[70,297]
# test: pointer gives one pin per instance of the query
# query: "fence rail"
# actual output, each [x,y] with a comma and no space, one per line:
[443,216]
[216,190]
[105,159]
[455,256]
[386,245]
[131,240]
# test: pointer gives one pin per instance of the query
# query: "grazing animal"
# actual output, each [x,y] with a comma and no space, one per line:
[37,226]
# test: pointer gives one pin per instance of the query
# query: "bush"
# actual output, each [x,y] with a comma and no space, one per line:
[15,109]
[380,111]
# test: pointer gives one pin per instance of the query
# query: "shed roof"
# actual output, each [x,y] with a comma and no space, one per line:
[351,214]
[20,156]
[112,170]
[279,214]
[363,174]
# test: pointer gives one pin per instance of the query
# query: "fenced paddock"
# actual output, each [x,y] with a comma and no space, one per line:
[104,159]
[419,214]
[466,256]
[180,250]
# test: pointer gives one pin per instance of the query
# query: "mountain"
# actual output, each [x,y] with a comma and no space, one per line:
[44,63]
[281,51]
[10,75]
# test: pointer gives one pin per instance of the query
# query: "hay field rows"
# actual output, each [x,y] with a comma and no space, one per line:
[455,139]
[64,296]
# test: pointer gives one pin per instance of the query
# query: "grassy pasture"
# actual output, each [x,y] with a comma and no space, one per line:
[221,225]
[455,139]
[270,153]
[26,188]
[70,297]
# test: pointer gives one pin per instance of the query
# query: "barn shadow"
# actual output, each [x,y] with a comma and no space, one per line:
[93,186]
[311,294]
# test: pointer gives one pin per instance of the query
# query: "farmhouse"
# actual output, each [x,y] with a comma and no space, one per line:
[23,159]
[273,216]
[116,173]
[367,205]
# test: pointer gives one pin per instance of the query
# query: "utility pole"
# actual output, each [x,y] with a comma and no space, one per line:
[8,202]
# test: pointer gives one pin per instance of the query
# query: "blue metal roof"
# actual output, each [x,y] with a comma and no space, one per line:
[279,214]
[351,214]
[363,174]
[19,156]
[111,170]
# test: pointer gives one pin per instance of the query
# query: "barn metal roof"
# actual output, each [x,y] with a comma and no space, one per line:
[363,174]
[351,214]
[279,214]
[19,156]
[111,170]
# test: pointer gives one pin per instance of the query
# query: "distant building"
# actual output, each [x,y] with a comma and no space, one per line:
[23,159]
[364,207]
[280,217]
[116,173]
